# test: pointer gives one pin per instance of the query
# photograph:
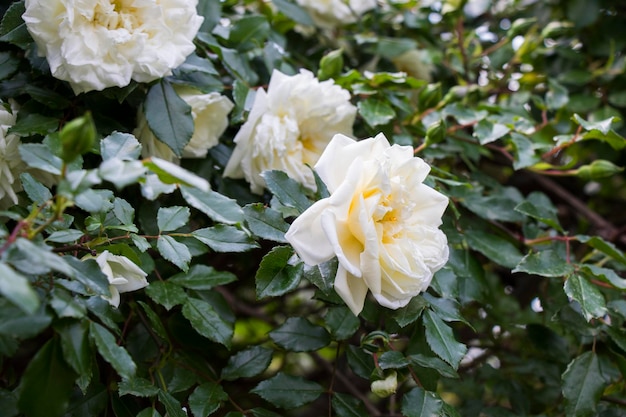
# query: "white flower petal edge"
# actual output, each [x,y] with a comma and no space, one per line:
[11,164]
[95,44]
[380,221]
[288,128]
[122,273]
[210,118]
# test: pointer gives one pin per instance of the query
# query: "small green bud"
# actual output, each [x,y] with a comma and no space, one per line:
[331,65]
[521,26]
[385,387]
[598,169]
[429,96]
[77,137]
[436,132]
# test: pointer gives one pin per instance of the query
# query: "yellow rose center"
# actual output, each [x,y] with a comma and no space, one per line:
[116,15]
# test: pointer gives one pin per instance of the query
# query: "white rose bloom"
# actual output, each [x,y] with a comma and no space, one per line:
[288,128]
[122,273]
[95,44]
[11,164]
[380,221]
[331,13]
[210,118]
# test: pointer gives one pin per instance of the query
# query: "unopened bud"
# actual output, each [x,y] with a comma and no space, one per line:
[436,132]
[385,387]
[598,169]
[331,65]
[77,137]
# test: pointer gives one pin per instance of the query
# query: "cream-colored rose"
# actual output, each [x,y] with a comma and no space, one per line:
[11,164]
[122,273]
[415,63]
[95,44]
[288,128]
[380,221]
[330,13]
[210,118]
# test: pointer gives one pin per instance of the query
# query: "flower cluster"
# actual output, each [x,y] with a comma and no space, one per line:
[288,128]
[210,117]
[380,221]
[95,44]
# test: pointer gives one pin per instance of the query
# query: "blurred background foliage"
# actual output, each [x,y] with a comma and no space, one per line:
[518,107]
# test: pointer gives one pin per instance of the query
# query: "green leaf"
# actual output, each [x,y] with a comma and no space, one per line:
[341,322]
[36,191]
[46,384]
[17,289]
[361,363]
[40,156]
[211,10]
[538,206]
[286,391]
[583,384]
[206,321]
[48,97]
[170,173]
[13,29]
[603,246]
[121,173]
[155,320]
[247,363]
[440,338]
[557,95]
[223,238]
[116,355]
[119,145]
[547,263]
[169,116]
[215,205]
[419,403]
[299,335]
[139,387]
[15,324]
[376,112]
[175,252]
[265,222]
[249,32]
[172,218]
[322,275]
[498,249]
[172,405]
[78,350]
[65,236]
[34,124]
[8,65]
[206,399]
[392,359]
[588,296]
[602,131]
[431,362]
[289,192]
[88,273]
[347,406]
[606,275]
[166,293]
[294,11]
[65,304]
[487,132]
[277,273]
[202,277]
[411,312]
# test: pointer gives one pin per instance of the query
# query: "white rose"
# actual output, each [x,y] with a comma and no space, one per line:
[210,118]
[122,273]
[11,164]
[380,221]
[288,128]
[95,44]
[331,13]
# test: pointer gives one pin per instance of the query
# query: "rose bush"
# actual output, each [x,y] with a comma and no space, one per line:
[210,117]
[288,128]
[95,44]
[380,221]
